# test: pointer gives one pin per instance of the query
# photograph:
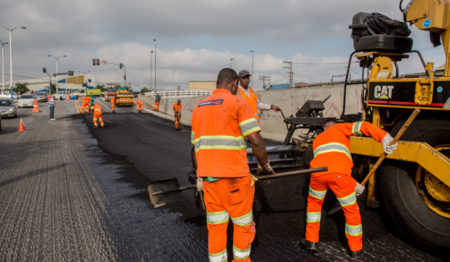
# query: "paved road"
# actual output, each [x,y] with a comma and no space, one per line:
[69,192]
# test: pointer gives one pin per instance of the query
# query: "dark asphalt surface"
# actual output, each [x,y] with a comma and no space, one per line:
[69,192]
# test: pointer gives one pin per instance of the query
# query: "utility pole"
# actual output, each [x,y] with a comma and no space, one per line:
[3,65]
[264,79]
[154,40]
[253,55]
[291,74]
[151,69]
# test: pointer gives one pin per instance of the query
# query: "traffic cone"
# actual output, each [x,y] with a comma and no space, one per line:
[35,106]
[21,126]
[67,96]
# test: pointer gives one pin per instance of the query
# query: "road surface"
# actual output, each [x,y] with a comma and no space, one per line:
[69,192]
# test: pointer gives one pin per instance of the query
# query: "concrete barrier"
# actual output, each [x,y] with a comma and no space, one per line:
[289,100]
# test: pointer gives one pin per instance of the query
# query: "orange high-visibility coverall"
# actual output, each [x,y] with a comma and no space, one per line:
[177,114]
[139,105]
[87,101]
[156,106]
[332,149]
[113,104]
[219,125]
[83,106]
[252,100]
[98,115]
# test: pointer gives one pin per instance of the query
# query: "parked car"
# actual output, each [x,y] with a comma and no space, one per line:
[7,108]
[25,101]
[42,96]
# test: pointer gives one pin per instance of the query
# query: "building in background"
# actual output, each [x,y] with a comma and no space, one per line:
[201,85]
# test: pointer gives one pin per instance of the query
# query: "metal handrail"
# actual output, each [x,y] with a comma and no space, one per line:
[178,94]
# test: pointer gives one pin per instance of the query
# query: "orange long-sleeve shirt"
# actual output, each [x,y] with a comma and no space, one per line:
[332,147]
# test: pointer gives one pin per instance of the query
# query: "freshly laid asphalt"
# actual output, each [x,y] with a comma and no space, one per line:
[69,192]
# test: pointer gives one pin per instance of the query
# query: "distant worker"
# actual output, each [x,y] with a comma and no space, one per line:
[87,100]
[113,104]
[249,94]
[332,149]
[156,104]
[139,105]
[177,113]
[98,115]
[84,106]
[51,107]
[219,124]
[91,103]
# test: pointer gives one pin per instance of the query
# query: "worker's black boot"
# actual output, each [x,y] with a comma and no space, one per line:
[311,247]
[356,254]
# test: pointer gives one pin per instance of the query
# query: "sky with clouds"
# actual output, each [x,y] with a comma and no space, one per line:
[194,39]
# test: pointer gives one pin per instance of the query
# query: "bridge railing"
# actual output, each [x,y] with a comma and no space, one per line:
[178,94]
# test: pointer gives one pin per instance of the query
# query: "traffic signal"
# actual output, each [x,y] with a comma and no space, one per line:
[95,61]
[70,73]
[44,70]
[121,65]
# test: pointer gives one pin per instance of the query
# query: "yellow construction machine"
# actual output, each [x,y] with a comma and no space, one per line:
[124,98]
[414,182]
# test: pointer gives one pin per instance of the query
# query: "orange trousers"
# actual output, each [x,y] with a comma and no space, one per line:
[177,120]
[156,106]
[100,118]
[343,186]
[225,198]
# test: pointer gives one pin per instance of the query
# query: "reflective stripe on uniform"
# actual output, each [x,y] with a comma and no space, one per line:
[249,126]
[241,253]
[348,200]
[244,220]
[313,217]
[356,128]
[332,147]
[317,194]
[192,137]
[219,257]
[214,218]
[353,230]
[97,110]
[220,142]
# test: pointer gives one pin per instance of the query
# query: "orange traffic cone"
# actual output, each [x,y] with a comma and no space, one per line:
[67,97]
[21,126]
[35,106]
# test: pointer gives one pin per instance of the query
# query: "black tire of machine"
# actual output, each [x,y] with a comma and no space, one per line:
[407,210]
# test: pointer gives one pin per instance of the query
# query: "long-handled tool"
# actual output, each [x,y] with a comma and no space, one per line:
[397,137]
[161,192]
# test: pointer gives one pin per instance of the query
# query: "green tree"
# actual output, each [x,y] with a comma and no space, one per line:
[116,87]
[21,88]
[145,89]
[101,87]
[52,88]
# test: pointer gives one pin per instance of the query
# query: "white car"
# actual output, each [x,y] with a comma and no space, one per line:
[25,101]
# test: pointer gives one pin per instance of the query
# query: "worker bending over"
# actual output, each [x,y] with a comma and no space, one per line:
[98,115]
[88,104]
[219,124]
[177,113]
[332,149]
[113,104]
[139,105]
[249,94]
[156,104]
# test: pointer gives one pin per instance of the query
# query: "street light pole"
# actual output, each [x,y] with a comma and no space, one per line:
[3,64]
[154,40]
[10,58]
[56,74]
[253,54]
[151,69]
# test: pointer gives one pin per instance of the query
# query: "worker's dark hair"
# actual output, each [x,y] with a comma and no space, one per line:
[226,75]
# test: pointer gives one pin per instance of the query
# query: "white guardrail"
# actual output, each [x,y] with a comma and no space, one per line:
[178,94]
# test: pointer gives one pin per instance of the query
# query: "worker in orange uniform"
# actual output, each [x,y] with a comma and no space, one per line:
[98,115]
[83,106]
[249,94]
[139,105]
[220,124]
[177,113]
[87,103]
[113,104]
[156,104]
[332,149]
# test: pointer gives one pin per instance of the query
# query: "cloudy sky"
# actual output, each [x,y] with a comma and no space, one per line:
[194,38]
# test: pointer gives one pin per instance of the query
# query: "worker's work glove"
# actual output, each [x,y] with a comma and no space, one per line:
[388,149]
[359,189]
[274,108]
[199,184]
[264,170]
[253,179]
